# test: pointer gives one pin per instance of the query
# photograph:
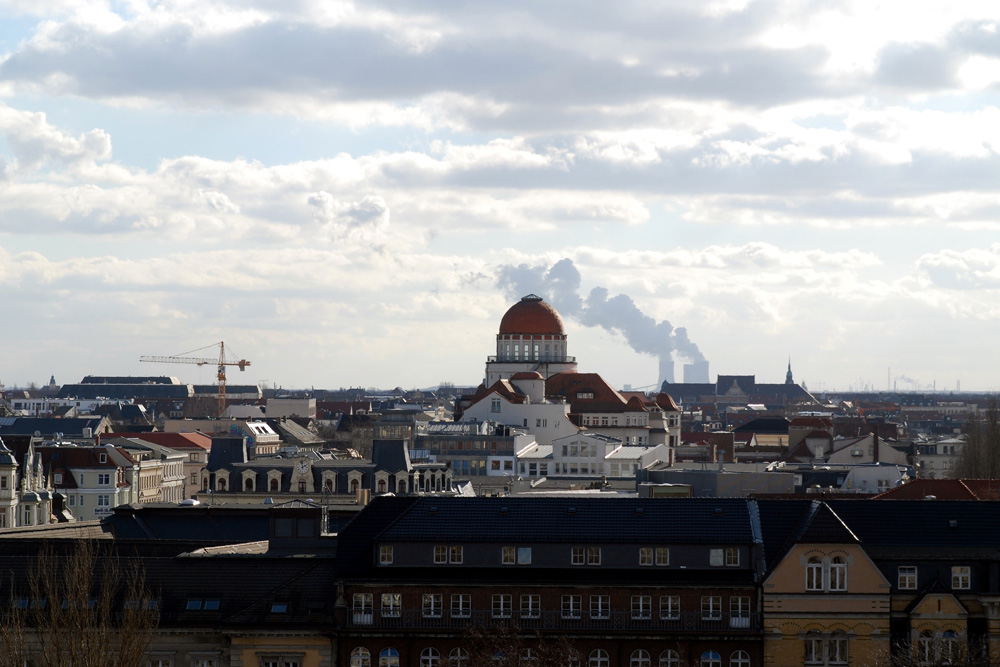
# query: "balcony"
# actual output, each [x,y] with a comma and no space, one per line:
[620,621]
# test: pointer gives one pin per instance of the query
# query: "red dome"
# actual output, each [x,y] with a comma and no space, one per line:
[531,315]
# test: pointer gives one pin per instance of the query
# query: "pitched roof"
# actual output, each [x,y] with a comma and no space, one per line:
[943,489]
[185,441]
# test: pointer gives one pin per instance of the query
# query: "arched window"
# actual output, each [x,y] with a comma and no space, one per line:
[273,484]
[204,484]
[837,649]
[814,574]
[838,574]
[598,658]
[328,484]
[354,486]
[640,658]
[361,657]
[302,486]
[381,486]
[739,659]
[402,486]
[458,657]
[814,649]
[430,657]
[710,659]
[670,658]
[388,657]
[248,484]
[221,484]
[949,647]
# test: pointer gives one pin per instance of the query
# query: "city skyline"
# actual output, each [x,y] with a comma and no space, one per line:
[353,195]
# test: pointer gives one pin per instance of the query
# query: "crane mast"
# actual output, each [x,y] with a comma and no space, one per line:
[221,362]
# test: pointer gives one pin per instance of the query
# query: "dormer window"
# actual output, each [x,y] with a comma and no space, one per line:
[104,458]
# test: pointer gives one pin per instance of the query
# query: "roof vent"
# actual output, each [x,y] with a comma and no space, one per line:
[717,511]
[930,497]
[433,509]
[639,510]
[571,510]
[953,523]
[503,509]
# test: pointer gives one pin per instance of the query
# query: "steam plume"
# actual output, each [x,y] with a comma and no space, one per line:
[560,286]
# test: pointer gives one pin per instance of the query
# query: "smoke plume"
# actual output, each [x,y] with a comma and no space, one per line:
[560,286]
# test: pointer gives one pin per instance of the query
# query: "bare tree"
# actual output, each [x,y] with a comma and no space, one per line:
[980,457]
[505,645]
[81,606]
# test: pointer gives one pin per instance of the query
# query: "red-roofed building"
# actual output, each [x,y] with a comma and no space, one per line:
[531,338]
[195,446]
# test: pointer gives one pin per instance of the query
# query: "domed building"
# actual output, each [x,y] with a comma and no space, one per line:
[531,339]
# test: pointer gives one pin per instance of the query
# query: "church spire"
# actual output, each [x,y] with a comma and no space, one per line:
[788,375]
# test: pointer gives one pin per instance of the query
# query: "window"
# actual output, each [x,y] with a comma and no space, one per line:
[710,659]
[907,580]
[285,661]
[430,657]
[103,501]
[501,605]
[826,650]
[598,658]
[430,604]
[645,555]
[814,649]
[732,557]
[670,607]
[455,554]
[160,661]
[388,657]
[961,576]
[578,556]
[711,607]
[103,478]
[949,647]
[392,605]
[440,554]
[600,606]
[524,555]
[639,658]
[458,657]
[461,605]
[495,405]
[361,657]
[814,574]
[72,500]
[278,607]
[716,557]
[642,607]
[662,556]
[670,658]
[3,480]
[925,647]
[571,606]
[838,574]
[508,555]
[531,606]
[838,649]
[593,555]
[739,659]
[739,611]
[385,554]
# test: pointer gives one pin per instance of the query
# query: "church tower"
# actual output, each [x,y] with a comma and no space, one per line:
[788,375]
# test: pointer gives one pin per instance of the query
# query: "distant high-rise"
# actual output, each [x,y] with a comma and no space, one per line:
[696,372]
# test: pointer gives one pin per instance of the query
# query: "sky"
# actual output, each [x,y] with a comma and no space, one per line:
[352,194]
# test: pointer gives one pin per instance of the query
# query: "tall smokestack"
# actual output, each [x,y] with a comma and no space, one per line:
[666,371]
[696,372]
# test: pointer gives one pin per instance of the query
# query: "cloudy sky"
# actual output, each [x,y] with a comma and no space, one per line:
[353,193]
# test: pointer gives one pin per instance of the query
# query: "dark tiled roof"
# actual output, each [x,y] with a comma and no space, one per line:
[823,526]
[606,520]
[923,523]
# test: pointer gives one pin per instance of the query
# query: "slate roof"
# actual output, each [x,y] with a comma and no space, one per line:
[71,428]
[767,425]
[560,519]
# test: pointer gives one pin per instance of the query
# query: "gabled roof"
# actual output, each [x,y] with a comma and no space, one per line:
[823,526]
[503,388]
[572,386]
[944,489]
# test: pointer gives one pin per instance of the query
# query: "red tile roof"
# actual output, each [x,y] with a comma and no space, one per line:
[531,315]
[173,440]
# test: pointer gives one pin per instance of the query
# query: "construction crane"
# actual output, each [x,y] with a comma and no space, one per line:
[221,361]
